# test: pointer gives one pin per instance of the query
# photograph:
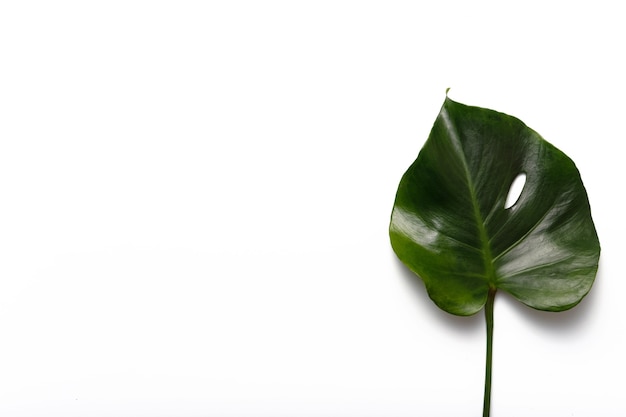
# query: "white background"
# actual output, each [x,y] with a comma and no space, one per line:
[194,202]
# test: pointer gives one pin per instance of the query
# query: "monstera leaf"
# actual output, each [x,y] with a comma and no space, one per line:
[451,225]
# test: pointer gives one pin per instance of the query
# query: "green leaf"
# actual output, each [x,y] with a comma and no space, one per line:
[450,226]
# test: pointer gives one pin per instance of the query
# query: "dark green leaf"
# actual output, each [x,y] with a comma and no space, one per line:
[450,226]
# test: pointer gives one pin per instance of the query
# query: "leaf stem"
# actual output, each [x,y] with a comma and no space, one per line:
[489,319]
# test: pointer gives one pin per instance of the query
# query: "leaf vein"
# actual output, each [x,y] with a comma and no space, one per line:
[524,236]
[541,266]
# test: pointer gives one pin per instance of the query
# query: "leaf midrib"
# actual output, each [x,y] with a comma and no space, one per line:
[490,272]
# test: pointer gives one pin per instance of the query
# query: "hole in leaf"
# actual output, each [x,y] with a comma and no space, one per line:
[515,191]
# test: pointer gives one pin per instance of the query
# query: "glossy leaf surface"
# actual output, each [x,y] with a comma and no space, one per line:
[450,226]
